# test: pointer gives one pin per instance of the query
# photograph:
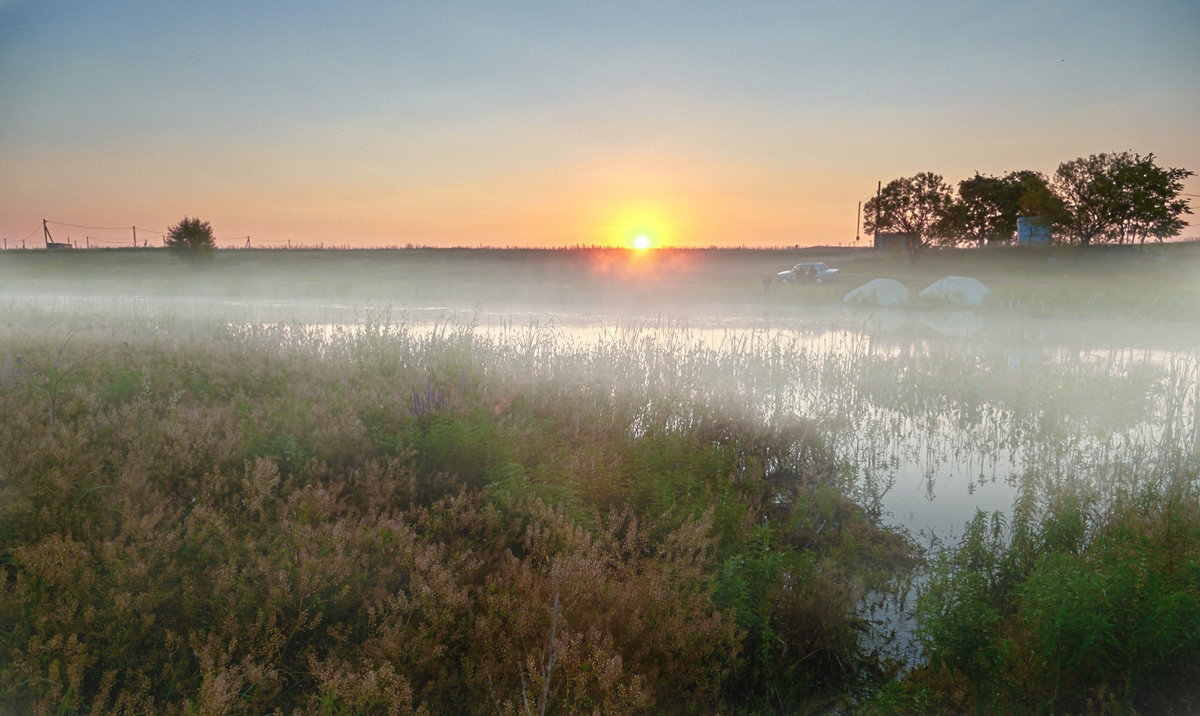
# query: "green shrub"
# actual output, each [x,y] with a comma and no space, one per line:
[1074,609]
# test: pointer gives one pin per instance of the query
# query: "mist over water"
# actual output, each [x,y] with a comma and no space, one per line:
[930,413]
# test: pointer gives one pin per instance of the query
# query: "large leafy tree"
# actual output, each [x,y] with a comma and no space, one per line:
[986,210]
[918,206]
[1150,202]
[1123,198]
[1038,197]
[988,207]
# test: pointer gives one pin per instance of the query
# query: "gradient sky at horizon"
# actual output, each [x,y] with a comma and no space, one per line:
[554,124]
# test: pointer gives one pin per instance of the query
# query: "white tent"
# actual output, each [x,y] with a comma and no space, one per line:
[878,292]
[958,290]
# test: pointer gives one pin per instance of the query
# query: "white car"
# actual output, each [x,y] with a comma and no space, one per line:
[814,272]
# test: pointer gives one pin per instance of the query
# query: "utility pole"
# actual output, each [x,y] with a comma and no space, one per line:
[135,237]
[858,224]
[878,198]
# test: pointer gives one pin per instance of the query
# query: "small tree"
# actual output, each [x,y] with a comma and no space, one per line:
[192,238]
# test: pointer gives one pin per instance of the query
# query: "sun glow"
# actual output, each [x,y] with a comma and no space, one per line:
[641,227]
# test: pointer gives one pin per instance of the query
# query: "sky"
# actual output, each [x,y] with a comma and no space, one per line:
[561,123]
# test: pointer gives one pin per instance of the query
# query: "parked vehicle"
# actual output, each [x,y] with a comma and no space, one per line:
[813,271]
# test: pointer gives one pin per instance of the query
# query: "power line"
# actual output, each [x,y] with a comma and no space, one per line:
[80,226]
[108,240]
[150,232]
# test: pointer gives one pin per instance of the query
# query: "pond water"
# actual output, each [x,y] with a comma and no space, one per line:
[937,414]
[931,414]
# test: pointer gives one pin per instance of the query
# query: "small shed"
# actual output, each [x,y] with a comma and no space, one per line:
[1034,231]
[892,241]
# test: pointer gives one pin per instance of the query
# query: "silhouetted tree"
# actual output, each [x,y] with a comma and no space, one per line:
[1038,198]
[986,210]
[919,206]
[1122,197]
[191,238]
[988,207]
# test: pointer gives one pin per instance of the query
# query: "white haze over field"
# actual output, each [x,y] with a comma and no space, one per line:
[933,414]
[931,410]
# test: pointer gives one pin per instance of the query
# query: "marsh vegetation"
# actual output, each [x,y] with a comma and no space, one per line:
[218,495]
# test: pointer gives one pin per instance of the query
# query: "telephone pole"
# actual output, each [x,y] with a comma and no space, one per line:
[878,198]
[858,224]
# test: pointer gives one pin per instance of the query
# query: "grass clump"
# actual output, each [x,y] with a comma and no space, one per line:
[265,519]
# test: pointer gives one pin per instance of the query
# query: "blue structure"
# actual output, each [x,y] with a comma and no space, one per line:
[1034,231]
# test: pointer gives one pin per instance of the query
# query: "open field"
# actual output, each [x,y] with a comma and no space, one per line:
[1160,283]
[320,481]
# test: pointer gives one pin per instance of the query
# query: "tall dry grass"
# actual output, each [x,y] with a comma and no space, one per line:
[232,519]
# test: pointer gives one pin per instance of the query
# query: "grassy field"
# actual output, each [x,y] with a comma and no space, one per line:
[1161,282]
[204,515]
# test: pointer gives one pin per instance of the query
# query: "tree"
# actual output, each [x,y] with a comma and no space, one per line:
[986,210]
[988,207]
[191,237]
[919,206]
[1122,197]
[1038,198]
[1149,201]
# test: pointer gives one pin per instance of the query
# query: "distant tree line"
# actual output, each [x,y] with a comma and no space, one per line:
[1121,198]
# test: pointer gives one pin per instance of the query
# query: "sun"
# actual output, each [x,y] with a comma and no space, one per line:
[638,226]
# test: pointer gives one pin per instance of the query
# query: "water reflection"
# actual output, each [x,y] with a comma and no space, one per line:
[933,414]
